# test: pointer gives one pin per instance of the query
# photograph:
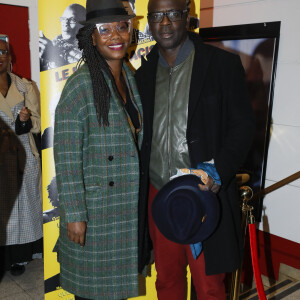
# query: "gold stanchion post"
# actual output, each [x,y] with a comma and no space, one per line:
[246,195]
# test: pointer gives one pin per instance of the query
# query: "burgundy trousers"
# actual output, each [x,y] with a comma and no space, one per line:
[171,260]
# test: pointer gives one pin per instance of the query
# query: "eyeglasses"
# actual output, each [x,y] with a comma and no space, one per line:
[106,30]
[173,15]
[4,52]
[71,21]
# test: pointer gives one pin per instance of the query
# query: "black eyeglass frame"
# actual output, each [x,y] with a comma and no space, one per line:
[6,52]
[168,14]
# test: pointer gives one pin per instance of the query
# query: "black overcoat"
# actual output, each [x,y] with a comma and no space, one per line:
[220,127]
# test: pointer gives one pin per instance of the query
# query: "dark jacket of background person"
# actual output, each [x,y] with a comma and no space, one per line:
[220,127]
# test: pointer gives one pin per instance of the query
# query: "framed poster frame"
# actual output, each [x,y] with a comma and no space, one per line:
[257,45]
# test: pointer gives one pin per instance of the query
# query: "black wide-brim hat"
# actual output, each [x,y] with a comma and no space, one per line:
[183,213]
[105,11]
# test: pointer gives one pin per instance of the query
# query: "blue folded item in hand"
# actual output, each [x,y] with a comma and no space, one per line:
[211,171]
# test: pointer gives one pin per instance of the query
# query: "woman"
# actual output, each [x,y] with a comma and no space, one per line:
[98,131]
[20,199]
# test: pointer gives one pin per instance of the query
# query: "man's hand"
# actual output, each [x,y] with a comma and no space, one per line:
[76,232]
[24,114]
[210,186]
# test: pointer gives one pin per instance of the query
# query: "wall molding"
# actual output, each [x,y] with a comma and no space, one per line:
[215,3]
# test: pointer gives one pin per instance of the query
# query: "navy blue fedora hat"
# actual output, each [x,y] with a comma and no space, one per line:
[183,213]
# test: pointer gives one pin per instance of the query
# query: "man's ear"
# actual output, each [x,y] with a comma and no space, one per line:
[149,26]
[188,18]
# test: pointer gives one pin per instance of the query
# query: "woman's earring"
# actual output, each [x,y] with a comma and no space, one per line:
[10,67]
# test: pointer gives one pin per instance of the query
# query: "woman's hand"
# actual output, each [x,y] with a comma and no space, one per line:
[24,114]
[76,232]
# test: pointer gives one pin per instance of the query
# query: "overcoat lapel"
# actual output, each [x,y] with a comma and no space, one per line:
[200,66]
[149,78]
[120,107]
[136,100]
[12,98]
[201,63]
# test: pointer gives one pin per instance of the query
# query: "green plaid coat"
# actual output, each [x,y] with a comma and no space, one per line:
[97,171]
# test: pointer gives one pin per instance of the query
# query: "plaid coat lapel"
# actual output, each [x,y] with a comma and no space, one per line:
[120,107]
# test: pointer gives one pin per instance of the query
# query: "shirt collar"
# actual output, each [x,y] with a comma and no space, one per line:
[183,54]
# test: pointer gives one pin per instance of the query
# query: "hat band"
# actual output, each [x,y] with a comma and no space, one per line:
[106,12]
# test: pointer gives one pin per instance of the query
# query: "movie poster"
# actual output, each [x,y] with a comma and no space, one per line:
[59,55]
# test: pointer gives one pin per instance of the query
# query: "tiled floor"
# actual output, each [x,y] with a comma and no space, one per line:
[30,285]
[288,288]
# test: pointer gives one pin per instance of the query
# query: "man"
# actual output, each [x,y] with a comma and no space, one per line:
[196,110]
[63,49]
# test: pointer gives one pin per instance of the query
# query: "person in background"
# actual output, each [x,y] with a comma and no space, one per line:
[21,221]
[131,4]
[63,49]
[53,213]
[97,137]
[196,111]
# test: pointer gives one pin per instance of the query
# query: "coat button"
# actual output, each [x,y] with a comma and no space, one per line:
[111,183]
[110,158]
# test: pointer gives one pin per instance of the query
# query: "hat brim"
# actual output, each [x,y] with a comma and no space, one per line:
[107,19]
[187,186]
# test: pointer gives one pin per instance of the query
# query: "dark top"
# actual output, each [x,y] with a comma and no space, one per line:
[131,110]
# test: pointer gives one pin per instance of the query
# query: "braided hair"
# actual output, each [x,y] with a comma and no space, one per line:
[96,64]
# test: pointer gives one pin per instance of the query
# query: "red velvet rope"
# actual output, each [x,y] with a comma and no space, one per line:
[255,265]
